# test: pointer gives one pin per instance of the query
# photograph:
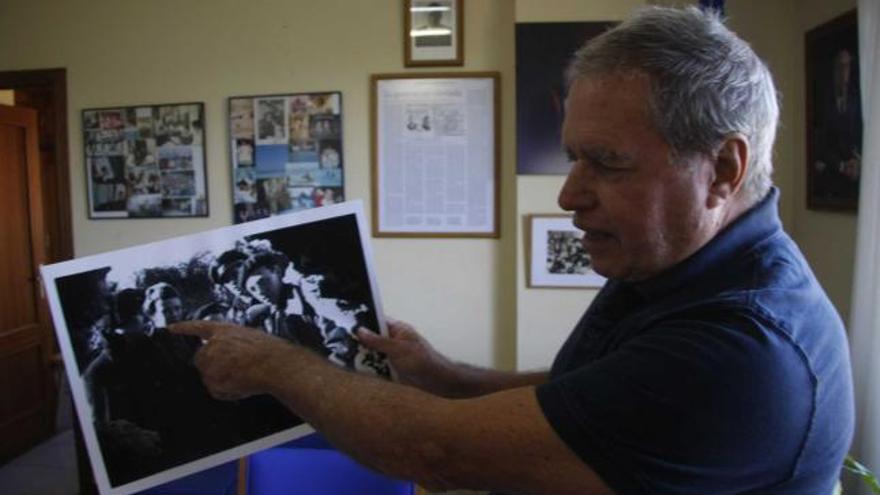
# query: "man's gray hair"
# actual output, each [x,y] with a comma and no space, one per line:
[706,83]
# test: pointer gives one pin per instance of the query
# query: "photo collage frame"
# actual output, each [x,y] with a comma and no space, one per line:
[286,153]
[145,161]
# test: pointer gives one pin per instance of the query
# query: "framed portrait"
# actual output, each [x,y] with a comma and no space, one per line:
[286,153]
[433,33]
[146,417]
[145,161]
[834,115]
[435,152]
[555,254]
[543,50]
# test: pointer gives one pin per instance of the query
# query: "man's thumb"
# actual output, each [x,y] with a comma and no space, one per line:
[375,341]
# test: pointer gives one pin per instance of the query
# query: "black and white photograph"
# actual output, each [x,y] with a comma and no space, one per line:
[125,150]
[295,136]
[270,121]
[433,33]
[556,255]
[146,417]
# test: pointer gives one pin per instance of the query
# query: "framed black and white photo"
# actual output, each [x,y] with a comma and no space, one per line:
[433,33]
[834,115]
[145,161]
[146,417]
[555,254]
[435,149]
[286,153]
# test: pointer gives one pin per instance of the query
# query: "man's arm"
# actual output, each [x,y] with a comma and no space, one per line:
[500,441]
[418,364]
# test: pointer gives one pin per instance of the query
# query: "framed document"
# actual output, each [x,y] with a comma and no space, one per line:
[433,33]
[435,154]
[286,153]
[146,161]
[556,257]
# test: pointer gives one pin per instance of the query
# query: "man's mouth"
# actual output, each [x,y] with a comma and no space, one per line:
[594,236]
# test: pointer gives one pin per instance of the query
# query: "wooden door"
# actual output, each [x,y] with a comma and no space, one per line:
[25,335]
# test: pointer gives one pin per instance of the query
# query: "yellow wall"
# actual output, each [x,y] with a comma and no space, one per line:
[827,239]
[467,296]
[546,316]
[123,53]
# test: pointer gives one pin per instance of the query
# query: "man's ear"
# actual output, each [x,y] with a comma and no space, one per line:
[731,165]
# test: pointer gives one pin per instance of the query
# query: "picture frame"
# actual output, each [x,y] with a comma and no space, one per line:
[286,153]
[145,415]
[433,33]
[435,154]
[834,115]
[555,255]
[145,161]
[543,51]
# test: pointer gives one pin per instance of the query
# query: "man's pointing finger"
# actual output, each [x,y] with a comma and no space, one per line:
[202,329]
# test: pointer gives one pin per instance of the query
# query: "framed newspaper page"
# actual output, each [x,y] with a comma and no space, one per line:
[433,33]
[146,417]
[555,255]
[435,145]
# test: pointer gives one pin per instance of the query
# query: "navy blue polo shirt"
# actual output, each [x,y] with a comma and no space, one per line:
[727,374]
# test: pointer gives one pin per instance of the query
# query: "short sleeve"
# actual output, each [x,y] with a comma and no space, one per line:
[688,407]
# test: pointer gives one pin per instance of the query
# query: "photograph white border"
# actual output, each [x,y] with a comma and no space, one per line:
[537,229]
[156,253]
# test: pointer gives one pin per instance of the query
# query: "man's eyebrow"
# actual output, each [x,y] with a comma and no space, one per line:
[598,154]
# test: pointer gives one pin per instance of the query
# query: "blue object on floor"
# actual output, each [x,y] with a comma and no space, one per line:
[219,480]
[316,471]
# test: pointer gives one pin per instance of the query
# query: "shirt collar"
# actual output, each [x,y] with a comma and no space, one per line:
[756,224]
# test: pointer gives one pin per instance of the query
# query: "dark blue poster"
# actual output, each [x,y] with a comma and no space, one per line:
[542,53]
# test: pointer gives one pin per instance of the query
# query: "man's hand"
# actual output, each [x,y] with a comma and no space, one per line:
[234,360]
[417,363]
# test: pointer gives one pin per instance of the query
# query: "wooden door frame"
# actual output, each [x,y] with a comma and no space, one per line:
[57,80]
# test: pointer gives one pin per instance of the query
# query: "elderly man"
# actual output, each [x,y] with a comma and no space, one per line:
[711,363]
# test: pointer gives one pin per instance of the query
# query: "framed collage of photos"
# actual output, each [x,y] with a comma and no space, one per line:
[286,153]
[555,256]
[146,161]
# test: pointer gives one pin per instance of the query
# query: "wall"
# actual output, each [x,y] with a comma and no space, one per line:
[546,316]
[124,53]
[121,53]
[827,238]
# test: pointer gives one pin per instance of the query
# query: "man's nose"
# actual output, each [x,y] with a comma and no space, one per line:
[576,192]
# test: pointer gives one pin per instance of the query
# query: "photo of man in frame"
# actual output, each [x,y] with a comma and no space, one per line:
[834,115]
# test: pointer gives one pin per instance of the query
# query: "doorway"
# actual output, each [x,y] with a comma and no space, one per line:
[45,92]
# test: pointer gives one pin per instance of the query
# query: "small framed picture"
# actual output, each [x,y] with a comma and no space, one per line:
[556,257]
[433,33]
[834,115]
